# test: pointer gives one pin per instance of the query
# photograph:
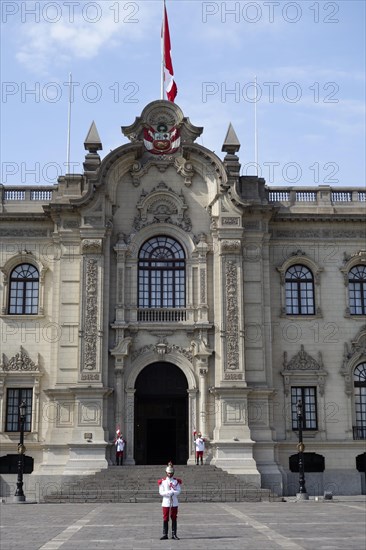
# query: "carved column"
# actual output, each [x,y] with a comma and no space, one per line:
[202,352]
[232,314]
[192,407]
[120,352]
[35,418]
[130,416]
[203,400]
[90,332]
[202,250]
[120,249]
[118,398]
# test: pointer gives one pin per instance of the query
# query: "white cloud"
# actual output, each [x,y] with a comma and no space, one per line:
[44,45]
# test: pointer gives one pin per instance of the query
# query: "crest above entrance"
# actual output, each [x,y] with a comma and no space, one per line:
[162,128]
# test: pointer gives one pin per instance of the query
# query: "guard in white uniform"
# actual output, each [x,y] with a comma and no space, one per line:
[119,443]
[200,446]
[169,489]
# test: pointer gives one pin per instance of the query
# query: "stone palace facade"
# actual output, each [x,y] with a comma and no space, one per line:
[161,292]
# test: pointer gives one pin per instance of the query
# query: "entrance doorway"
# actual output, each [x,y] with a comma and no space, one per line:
[161,415]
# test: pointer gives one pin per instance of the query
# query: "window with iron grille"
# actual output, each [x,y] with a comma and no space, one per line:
[161,274]
[14,398]
[307,395]
[357,290]
[299,285]
[359,380]
[23,290]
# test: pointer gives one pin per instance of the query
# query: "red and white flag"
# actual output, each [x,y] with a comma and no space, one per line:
[169,85]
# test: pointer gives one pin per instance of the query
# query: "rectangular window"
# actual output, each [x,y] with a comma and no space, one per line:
[307,395]
[357,298]
[14,397]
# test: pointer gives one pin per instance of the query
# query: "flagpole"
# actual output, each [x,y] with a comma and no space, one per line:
[68,129]
[162,52]
[255,128]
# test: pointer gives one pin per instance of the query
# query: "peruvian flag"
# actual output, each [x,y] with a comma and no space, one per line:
[170,86]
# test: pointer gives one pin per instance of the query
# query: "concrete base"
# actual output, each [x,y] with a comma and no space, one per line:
[85,459]
[339,482]
[302,496]
[236,458]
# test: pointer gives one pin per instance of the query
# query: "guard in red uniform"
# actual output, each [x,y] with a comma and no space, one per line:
[169,489]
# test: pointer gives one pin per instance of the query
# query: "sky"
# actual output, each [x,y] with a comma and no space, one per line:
[307,57]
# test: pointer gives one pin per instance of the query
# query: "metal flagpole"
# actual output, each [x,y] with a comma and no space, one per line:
[162,51]
[255,127]
[69,129]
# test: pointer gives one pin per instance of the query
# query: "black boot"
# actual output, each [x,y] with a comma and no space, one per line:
[165,531]
[174,530]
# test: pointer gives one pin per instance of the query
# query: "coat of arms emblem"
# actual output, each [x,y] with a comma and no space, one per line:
[161,140]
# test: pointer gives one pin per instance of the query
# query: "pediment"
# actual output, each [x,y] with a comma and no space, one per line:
[20,362]
[302,361]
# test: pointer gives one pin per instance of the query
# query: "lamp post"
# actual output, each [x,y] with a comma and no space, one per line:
[302,494]
[19,494]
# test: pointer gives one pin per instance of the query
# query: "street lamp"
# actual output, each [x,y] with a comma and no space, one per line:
[19,494]
[302,494]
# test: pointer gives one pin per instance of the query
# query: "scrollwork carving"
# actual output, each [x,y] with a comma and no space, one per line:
[91,246]
[232,317]
[20,362]
[230,246]
[90,323]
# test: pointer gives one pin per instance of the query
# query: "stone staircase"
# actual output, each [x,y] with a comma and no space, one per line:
[139,484]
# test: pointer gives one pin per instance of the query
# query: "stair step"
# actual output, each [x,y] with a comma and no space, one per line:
[139,484]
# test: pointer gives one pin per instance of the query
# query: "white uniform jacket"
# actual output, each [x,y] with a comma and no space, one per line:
[200,444]
[169,489]
[120,444]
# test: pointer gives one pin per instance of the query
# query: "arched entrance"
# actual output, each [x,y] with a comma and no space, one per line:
[161,415]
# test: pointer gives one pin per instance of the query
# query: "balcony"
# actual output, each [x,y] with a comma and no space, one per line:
[161,315]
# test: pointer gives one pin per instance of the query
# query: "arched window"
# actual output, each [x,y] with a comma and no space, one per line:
[23,290]
[299,283]
[357,290]
[161,274]
[359,381]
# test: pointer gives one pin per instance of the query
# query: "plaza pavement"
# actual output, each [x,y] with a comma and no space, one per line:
[291,525]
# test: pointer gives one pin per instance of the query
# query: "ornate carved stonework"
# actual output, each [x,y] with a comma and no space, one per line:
[228,246]
[230,221]
[233,376]
[304,369]
[203,286]
[91,311]
[20,362]
[302,361]
[185,169]
[162,205]
[91,246]
[92,377]
[120,285]
[232,317]
[162,347]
